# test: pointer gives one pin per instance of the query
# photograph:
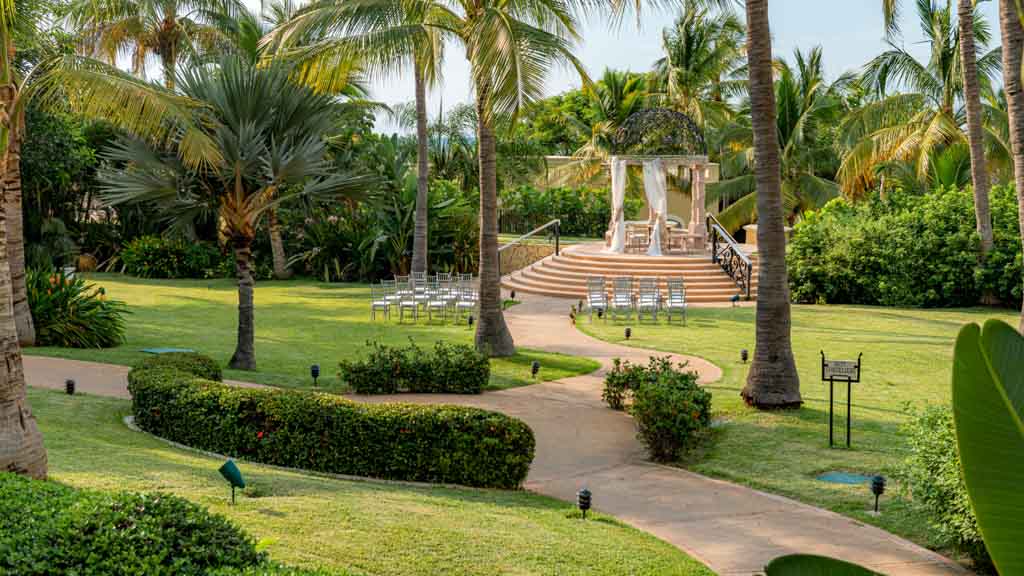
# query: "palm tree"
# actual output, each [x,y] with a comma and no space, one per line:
[386,37]
[1012,28]
[234,139]
[805,107]
[911,125]
[21,443]
[773,381]
[702,51]
[972,104]
[167,29]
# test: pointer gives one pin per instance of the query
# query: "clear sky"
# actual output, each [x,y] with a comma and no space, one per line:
[849,31]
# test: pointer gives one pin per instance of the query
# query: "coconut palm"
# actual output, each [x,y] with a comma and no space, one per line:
[910,125]
[387,37]
[1012,28]
[806,106]
[703,50]
[21,444]
[773,380]
[973,107]
[233,139]
[170,30]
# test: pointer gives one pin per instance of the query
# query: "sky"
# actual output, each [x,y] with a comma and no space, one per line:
[850,33]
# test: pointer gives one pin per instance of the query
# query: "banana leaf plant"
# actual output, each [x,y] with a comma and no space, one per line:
[811,565]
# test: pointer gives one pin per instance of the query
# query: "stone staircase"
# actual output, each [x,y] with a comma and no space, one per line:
[566,275]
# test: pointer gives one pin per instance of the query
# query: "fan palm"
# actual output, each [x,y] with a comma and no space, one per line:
[21,444]
[909,126]
[263,142]
[805,105]
[166,29]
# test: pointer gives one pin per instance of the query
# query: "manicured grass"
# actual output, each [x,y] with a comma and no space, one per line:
[298,323]
[907,361]
[358,527]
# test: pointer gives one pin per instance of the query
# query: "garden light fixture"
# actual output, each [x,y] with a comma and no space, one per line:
[600,313]
[629,332]
[583,501]
[534,368]
[512,295]
[877,488]
[233,475]
[314,371]
[470,320]
[744,355]
[69,386]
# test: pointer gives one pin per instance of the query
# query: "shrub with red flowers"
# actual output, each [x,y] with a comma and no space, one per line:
[72,313]
[671,410]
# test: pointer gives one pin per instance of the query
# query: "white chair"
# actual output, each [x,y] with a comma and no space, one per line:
[467,300]
[597,297]
[649,299]
[380,299]
[622,296]
[676,301]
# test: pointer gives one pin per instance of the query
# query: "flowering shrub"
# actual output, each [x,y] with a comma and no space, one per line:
[71,313]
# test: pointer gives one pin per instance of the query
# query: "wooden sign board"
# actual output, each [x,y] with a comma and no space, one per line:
[845,370]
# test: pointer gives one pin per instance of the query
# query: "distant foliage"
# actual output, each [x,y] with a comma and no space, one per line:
[448,368]
[583,211]
[908,250]
[54,530]
[191,362]
[160,257]
[71,313]
[931,473]
[327,433]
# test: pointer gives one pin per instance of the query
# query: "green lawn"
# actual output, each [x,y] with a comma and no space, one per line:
[298,323]
[907,361]
[362,527]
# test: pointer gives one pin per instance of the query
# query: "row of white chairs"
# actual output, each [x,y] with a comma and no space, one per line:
[443,294]
[642,296]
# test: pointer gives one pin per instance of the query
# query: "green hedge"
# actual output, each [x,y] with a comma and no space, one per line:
[191,362]
[327,433]
[50,529]
[159,257]
[908,250]
[450,368]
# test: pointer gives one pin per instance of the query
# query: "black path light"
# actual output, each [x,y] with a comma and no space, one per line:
[233,475]
[512,295]
[877,488]
[535,368]
[629,333]
[744,355]
[314,371]
[69,386]
[600,313]
[583,501]
[470,320]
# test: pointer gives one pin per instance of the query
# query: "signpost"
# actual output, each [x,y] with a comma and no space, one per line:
[833,371]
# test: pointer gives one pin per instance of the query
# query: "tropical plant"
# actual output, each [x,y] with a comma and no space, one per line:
[262,141]
[988,409]
[811,565]
[806,106]
[71,313]
[910,125]
[773,380]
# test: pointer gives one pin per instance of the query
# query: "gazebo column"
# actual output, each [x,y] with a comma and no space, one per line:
[698,214]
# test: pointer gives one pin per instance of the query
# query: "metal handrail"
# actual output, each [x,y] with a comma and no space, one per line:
[557,224]
[730,256]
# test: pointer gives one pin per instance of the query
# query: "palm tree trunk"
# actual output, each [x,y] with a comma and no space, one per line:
[21,443]
[773,381]
[419,243]
[244,357]
[1013,43]
[11,182]
[972,99]
[281,271]
[492,335]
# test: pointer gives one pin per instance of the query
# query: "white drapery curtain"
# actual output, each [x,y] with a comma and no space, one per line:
[657,201]
[618,223]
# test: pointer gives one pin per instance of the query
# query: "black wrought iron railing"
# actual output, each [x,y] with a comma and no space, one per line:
[727,253]
[527,249]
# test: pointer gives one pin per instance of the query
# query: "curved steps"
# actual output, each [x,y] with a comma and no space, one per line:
[566,275]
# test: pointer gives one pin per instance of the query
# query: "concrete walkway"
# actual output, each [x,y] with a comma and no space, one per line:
[580,442]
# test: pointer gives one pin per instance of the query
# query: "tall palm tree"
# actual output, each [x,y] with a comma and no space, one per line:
[703,49]
[773,381]
[234,139]
[1012,27]
[168,29]
[21,444]
[806,105]
[972,104]
[911,125]
[385,37]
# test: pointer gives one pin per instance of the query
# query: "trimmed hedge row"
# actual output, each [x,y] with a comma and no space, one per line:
[327,433]
[450,368]
[190,362]
[51,529]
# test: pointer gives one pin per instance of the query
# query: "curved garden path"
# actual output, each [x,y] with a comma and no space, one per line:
[580,442]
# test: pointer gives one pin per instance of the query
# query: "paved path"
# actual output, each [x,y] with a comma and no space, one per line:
[580,442]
